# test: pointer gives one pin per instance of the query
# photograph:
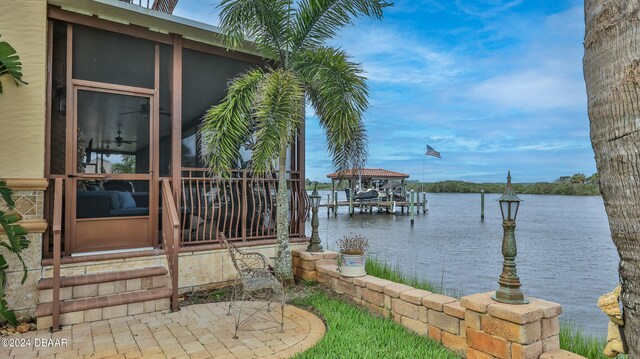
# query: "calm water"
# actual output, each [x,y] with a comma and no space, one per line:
[565,253]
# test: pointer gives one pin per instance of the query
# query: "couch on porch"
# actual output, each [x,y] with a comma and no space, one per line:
[98,204]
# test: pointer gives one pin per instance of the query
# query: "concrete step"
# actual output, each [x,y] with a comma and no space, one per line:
[92,285]
[75,311]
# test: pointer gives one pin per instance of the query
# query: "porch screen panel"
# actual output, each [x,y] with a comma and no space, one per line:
[105,56]
[205,78]
[113,133]
[58,135]
[166,67]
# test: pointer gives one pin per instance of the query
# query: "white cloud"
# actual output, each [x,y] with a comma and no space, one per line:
[544,73]
[531,90]
[485,8]
[390,56]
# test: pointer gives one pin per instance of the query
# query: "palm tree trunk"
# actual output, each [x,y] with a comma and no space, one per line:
[612,76]
[283,249]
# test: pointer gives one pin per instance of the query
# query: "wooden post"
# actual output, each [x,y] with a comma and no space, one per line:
[333,193]
[176,119]
[482,205]
[411,206]
[328,203]
[335,203]
[351,209]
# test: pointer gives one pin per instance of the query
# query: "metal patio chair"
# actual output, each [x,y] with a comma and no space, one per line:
[256,282]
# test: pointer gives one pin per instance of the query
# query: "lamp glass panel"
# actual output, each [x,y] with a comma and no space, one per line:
[505,208]
[315,201]
[514,208]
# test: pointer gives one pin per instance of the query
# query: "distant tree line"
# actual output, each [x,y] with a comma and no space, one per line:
[576,185]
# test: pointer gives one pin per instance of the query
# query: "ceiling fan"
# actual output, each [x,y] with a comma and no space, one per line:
[119,140]
[144,109]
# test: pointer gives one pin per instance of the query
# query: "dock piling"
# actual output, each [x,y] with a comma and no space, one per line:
[482,205]
[328,201]
[426,207]
[411,205]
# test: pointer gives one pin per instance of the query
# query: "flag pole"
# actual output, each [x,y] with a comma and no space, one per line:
[424,161]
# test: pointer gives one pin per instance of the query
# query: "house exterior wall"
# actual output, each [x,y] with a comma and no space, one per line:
[23,24]
[23,113]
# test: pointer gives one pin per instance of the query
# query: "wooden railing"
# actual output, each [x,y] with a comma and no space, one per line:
[166,6]
[57,239]
[170,238]
[242,206]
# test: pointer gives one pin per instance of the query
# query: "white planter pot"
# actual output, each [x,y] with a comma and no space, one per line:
[353,265]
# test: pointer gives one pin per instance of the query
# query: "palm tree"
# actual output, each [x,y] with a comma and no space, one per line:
[612,76]
[268,103]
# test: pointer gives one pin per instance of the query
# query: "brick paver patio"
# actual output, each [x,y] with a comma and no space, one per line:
[196,331]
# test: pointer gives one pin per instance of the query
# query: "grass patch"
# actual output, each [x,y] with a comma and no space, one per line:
[574,339]
[354,333]
[384,270]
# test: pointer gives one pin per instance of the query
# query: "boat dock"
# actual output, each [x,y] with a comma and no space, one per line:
[392,184]
[417,202]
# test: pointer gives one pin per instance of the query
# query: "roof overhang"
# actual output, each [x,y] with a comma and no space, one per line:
[125,13]
[368,173]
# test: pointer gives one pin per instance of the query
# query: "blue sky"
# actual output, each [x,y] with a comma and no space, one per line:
[491,84]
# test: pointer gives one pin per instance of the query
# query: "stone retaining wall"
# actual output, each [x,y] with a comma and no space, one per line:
[475,326]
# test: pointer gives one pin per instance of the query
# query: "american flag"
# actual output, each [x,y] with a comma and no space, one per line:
[432,152]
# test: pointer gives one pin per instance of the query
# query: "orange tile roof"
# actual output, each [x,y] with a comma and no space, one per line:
[368,173]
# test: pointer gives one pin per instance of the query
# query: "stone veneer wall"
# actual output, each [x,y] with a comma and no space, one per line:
[23,298]
[197,269]
[475,326]
[214,269]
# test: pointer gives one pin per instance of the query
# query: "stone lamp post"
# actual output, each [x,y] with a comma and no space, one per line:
[509,291]
[314,242]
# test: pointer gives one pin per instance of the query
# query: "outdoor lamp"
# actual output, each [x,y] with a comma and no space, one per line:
[315,199]
[61,93]
[314,242]
[509,291]
[509,202]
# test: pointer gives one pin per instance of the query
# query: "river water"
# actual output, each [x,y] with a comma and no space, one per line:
[565,252]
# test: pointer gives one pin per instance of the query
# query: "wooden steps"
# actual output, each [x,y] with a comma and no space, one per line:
[97,296]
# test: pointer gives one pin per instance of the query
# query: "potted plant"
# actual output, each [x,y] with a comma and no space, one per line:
[353,257]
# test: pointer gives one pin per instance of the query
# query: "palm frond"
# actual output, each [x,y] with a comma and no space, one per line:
[264,22]
[10,64]
[338,92]
[319,20]
[226,126]
[278,112]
